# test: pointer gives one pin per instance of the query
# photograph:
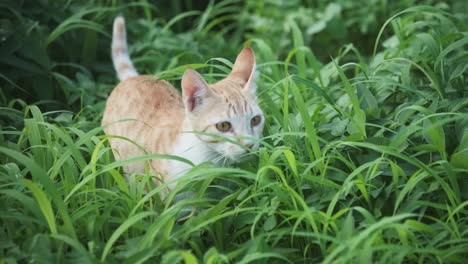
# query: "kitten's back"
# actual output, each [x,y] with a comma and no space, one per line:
[145,110]
[146,99]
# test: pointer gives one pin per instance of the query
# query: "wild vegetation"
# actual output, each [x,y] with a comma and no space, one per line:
[364,157]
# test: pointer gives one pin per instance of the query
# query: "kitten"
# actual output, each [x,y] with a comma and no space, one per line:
[160,120]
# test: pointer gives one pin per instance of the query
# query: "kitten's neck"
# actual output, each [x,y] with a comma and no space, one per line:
[188,145]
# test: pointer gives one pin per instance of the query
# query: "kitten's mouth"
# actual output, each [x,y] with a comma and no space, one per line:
[222,160]
[239,157]
[226,160]
[232,154]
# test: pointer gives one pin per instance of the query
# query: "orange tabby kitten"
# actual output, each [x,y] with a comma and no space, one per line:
[163,121]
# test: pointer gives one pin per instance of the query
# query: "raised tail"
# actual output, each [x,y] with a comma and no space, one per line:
[122,63]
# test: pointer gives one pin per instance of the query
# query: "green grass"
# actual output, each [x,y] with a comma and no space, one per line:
[364,157]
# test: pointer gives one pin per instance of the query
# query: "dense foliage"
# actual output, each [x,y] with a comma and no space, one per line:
[364,159]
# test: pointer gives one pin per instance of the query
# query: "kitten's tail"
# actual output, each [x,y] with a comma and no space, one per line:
[122,63]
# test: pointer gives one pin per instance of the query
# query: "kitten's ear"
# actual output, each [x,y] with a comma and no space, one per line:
[194,89]
[244,68]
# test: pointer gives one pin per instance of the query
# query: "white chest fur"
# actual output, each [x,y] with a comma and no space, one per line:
[190,147]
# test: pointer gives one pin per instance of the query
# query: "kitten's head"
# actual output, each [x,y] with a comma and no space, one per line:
[227,108]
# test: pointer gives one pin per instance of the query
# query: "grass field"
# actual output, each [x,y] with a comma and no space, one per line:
[364,157]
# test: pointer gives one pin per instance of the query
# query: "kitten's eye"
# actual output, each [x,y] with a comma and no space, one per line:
[223,126]
[255,120]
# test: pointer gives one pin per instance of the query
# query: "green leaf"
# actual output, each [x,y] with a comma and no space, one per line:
[291,160]
[460,159]
[121,229]
[434,134]
[270,223]
[44,204]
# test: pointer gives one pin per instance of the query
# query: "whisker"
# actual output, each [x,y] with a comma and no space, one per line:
[212,156]
[245,155]
[219,158]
